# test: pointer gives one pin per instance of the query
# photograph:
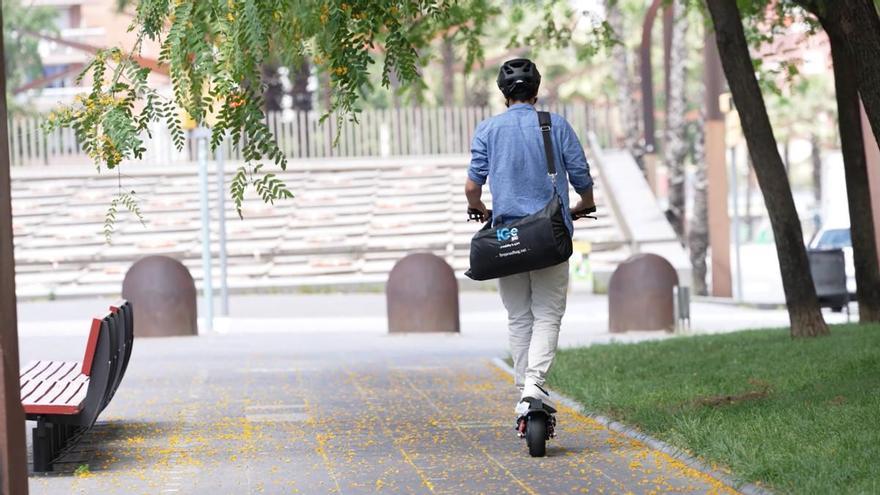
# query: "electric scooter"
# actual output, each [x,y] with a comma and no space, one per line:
[538,424]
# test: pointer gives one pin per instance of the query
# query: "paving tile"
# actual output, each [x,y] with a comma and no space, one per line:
[349,412]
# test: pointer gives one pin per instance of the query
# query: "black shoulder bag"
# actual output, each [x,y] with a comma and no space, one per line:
[531,243]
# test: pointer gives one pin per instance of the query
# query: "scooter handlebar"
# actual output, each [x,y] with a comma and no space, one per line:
[475,215]
[585,213]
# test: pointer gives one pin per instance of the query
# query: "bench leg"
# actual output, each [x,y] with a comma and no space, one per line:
[58,438]
[66,434]
[43,435]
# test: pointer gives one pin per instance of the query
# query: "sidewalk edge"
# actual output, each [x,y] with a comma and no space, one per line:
[726,301]
[630,432]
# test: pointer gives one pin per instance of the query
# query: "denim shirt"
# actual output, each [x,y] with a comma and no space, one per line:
[508,150]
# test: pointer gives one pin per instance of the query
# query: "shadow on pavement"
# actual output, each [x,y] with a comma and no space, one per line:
[107,446]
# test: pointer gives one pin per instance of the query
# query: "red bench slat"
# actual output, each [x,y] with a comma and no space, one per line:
[114,308]
[68,402]
[91,347]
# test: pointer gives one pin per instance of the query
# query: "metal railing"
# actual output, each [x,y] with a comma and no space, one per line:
[379,133]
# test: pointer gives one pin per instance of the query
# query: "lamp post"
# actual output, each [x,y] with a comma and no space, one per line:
[202,134]
[734,186]
[221,230]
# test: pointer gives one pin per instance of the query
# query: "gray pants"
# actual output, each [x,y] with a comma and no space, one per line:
[535,303]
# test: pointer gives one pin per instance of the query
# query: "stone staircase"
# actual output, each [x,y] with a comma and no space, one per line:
[351,221]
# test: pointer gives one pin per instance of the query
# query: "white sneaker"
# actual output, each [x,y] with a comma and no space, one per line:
[536,392]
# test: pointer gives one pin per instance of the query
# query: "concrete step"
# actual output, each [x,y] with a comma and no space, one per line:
[350,220]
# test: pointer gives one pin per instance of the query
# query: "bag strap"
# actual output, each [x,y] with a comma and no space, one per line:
[544,122]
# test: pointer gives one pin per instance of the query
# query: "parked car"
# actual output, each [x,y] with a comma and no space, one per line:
[838,237]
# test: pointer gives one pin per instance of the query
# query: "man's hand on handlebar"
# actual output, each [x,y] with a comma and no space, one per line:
[475,215]
[479,212]
[583,210]
[584,206]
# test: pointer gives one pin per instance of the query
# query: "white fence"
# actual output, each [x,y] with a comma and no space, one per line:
[380,132]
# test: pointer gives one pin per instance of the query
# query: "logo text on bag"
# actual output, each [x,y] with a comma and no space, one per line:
[506,234]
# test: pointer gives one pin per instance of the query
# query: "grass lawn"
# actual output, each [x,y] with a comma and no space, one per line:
[798,416]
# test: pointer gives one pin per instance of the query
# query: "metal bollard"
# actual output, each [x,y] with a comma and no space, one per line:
[640,295]
[422,295]
[164,293]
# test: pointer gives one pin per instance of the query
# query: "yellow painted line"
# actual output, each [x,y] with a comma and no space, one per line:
[365,396]
[670,462]
[320,439]
[479,447]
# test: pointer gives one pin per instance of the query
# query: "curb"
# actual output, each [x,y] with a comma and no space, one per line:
[725,301]
[653,443]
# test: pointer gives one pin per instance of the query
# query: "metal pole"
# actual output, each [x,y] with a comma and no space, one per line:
[716,170]
[221,212]
[13,447]
[202,135]
[736,240]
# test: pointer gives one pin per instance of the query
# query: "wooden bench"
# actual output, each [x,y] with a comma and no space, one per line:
[66,397]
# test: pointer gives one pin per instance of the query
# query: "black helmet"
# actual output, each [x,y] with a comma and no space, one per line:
[519,72]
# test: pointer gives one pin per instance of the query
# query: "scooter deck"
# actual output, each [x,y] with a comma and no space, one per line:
[537,405]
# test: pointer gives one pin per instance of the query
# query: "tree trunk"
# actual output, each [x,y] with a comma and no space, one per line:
[302,97]
[698,233]
[860,25]
[857,187]
[847,89]
[326,90]
[646,79]
[816,159]
[800,293]
[634,118]
[273,89]
[667,45]
[621,74]
[395,89]
[13,447]
[448,54]
[676,130]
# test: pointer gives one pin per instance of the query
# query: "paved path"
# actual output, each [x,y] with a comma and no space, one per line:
[482,314]
[335,412]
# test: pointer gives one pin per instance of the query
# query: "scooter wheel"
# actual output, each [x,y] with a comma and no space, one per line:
[536,435]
